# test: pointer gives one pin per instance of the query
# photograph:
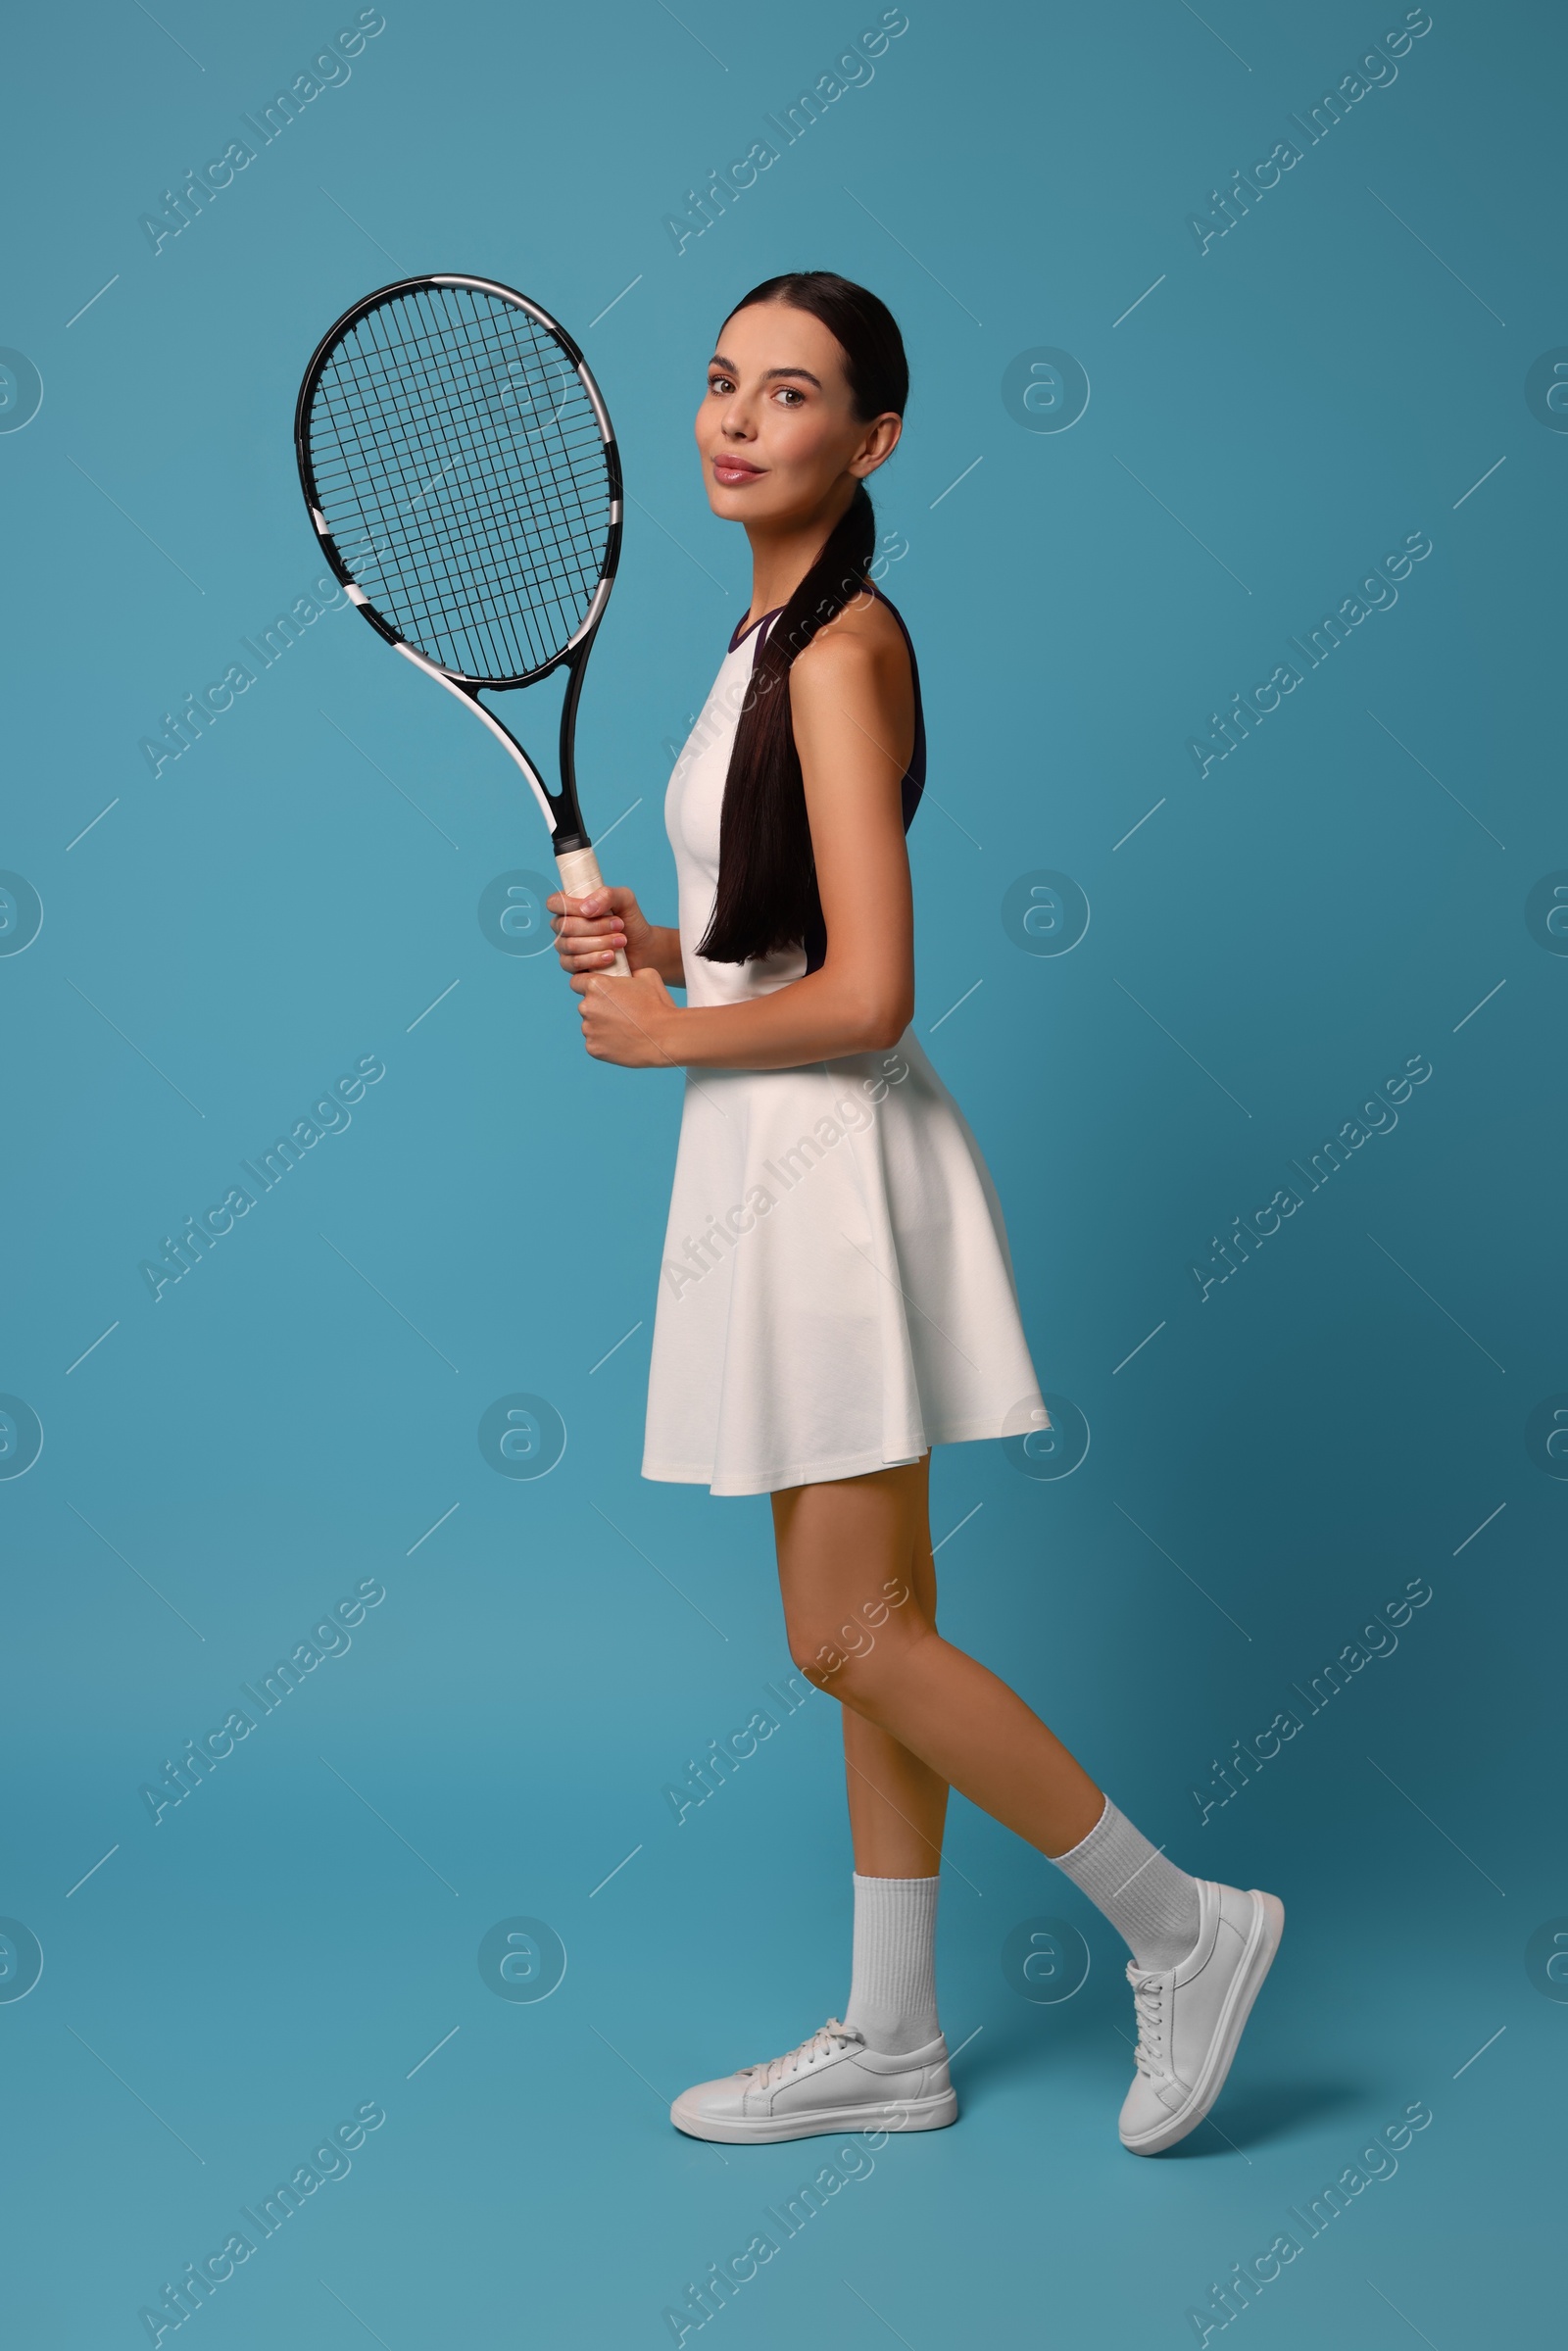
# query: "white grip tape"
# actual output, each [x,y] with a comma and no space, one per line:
[579,874]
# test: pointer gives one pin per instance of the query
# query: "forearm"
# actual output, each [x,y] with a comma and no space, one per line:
[662,952]
[818,1018]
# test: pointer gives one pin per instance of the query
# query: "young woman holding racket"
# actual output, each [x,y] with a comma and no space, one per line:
[837,1294]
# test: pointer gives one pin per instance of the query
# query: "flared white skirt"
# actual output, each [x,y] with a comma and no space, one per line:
[837,1293]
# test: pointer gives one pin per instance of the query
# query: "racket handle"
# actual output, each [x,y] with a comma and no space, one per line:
[579,873]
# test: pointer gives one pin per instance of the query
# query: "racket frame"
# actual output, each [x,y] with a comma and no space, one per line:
[568,835]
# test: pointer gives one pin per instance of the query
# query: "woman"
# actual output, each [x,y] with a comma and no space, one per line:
[837,1294]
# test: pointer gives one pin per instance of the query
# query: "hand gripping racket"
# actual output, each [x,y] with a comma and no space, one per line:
[460,468]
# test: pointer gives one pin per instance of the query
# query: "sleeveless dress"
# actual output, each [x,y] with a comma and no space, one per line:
[837,1293]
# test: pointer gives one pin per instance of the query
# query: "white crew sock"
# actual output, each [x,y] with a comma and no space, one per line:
[1152,1904]
[892,1991]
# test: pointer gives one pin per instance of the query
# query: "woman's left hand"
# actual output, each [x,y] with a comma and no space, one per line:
[627,1021]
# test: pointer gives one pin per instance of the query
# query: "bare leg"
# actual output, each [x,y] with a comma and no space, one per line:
[927,1715]
[897,1804]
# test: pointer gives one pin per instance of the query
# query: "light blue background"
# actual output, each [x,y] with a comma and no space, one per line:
[1275,1463]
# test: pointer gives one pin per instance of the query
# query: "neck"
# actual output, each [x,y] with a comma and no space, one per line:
[783,554]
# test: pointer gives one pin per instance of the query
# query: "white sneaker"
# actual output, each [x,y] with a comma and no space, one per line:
[1190,2017]
[832,2082]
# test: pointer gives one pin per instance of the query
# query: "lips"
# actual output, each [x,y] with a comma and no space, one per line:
[732,472]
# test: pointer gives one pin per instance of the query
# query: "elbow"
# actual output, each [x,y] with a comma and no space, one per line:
[881,1021]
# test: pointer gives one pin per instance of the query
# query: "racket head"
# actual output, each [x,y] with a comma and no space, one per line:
[462,477]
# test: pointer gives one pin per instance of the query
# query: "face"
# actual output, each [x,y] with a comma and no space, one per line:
[777,432]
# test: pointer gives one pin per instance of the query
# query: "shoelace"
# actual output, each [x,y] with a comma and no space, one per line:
[1149,1999]
[824,2042]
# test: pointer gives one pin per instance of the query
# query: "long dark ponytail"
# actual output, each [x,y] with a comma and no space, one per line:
[768,897]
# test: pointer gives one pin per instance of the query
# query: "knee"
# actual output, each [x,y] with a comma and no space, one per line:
[825,1645]
[815,1651]
[849,1660]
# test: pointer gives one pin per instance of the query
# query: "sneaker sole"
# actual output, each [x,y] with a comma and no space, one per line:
[1268,1925]
[904,2114]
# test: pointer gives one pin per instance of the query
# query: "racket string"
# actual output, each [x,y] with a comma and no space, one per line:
[571,478]
[371,497]
[450,597]
[492,505]
[418,482]
[563,478]
[460,467]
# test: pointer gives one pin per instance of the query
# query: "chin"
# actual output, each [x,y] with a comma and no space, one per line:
[750,504]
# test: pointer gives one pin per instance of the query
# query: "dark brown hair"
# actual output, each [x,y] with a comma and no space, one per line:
[768,897]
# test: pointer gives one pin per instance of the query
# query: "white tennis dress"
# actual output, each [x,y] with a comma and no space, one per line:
[837,1293]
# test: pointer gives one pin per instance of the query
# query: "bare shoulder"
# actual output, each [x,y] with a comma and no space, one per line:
[860,651]
[852,696]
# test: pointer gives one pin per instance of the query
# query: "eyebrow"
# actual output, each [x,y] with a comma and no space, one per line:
[769,374]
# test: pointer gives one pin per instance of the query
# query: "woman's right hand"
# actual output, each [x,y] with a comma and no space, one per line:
[590,930]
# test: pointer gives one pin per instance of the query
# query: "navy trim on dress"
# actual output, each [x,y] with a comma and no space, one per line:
[738,635]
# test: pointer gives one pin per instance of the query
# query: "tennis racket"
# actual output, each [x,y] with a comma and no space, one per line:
[461,472]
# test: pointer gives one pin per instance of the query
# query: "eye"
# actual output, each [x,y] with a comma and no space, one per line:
[719,383]
[791,393]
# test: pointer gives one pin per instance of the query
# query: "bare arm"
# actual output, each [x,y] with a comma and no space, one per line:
[853,706]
